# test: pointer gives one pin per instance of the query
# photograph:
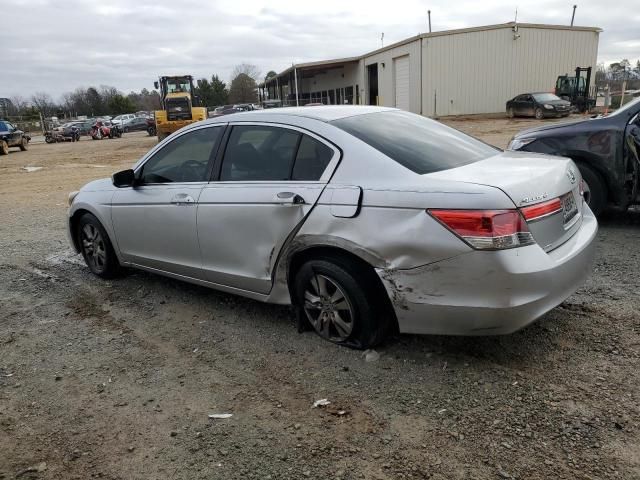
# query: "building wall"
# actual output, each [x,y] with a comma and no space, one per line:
[347,76]
[477,72]
[386,87]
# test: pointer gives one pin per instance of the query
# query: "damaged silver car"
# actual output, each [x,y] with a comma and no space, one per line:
[369,220]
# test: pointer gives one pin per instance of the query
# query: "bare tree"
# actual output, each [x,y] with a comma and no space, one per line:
[43,102]
[18,105]
[249,70]
[244,88]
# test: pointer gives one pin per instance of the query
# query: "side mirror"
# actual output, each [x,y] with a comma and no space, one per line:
[155,84]
[125,178]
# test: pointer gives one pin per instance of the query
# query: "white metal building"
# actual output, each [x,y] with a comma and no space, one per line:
[455,72]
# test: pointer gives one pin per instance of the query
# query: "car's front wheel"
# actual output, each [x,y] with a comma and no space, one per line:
[96,247]
[24,145]
[539,113]
[342,303]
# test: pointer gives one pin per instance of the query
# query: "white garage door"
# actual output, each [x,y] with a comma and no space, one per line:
[401,69]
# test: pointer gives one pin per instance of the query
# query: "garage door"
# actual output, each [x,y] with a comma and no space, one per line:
[401,69]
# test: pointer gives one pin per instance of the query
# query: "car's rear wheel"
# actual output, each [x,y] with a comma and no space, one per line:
[595,190]
[96,247]
[340,300]
[4,147]
[24,145]
[510,112]
[539,113]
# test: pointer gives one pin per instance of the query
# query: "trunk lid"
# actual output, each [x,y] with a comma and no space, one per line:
[530,179]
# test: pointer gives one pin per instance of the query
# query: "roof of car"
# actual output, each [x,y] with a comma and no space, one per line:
[326,113]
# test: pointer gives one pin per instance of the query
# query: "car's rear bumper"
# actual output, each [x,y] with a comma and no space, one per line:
[489,293]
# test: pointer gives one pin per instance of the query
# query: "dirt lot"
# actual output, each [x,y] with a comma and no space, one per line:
[116,379]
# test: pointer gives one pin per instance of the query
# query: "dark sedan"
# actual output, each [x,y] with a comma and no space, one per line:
[135,124]
[539,105]
[605,148]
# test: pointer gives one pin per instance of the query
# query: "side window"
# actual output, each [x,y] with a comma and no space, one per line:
[184,159]
[259,153]
[312,159]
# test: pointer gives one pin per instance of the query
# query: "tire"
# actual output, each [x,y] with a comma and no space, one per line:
[4,148]
[510,113]
[539,113]
[342,302]
[24,144]
[595,189]
[126,129]
[96,247]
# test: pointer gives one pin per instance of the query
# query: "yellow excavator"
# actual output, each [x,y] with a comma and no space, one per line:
[180,106]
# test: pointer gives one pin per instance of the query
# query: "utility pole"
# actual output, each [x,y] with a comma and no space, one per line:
[295,76]
[382,40]
[573,15]
[429,14]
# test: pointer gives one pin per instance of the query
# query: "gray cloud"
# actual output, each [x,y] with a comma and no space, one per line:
[56,46]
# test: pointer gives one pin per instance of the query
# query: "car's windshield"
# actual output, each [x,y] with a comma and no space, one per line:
[627,107]
[415,142]
[545,97]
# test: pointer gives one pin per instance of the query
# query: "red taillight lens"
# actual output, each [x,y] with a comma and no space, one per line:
[486,229]
[539,210]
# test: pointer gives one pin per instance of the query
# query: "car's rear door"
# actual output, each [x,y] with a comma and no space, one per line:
[155,221]
[268,180]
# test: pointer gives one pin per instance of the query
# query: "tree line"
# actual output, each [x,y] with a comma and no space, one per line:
[107,100]
[618,71]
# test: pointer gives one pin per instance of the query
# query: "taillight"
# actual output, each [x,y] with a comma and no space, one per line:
[486,229]
[540,210]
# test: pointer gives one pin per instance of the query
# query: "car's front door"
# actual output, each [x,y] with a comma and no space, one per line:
[269,180]
[155,221]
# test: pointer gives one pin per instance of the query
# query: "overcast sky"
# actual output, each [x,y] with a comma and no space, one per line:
[56,46]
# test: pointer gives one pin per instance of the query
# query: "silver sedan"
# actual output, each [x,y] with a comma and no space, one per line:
[370,221]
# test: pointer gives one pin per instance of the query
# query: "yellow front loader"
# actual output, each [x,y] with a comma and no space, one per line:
[180,106]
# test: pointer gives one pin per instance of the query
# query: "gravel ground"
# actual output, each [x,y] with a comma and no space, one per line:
[116,379]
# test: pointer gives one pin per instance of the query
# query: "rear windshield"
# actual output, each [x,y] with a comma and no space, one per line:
[415,142]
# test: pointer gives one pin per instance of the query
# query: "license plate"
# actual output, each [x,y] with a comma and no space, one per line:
[569,207]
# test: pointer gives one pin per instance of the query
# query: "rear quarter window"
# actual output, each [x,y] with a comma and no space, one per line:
[415,142]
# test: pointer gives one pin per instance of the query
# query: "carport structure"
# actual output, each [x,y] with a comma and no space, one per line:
[331,82]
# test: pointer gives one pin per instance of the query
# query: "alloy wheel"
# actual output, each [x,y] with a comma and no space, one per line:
[93,247]
[328,308]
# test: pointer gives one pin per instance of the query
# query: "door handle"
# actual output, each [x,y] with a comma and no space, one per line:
[289,198]
[182,199]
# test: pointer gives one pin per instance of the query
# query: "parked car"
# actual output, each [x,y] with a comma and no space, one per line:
[120,119]
[605,149]
[135,124]
[539,105]
[369,220]
[69,130]
[12,136]
[85,125]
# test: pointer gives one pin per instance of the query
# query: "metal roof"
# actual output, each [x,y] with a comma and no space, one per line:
[342,61]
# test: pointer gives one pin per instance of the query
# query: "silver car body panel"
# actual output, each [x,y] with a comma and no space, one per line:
[240,237]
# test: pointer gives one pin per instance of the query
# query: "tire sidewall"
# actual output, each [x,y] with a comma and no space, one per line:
[111,263]
[4,147]
[539,114]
